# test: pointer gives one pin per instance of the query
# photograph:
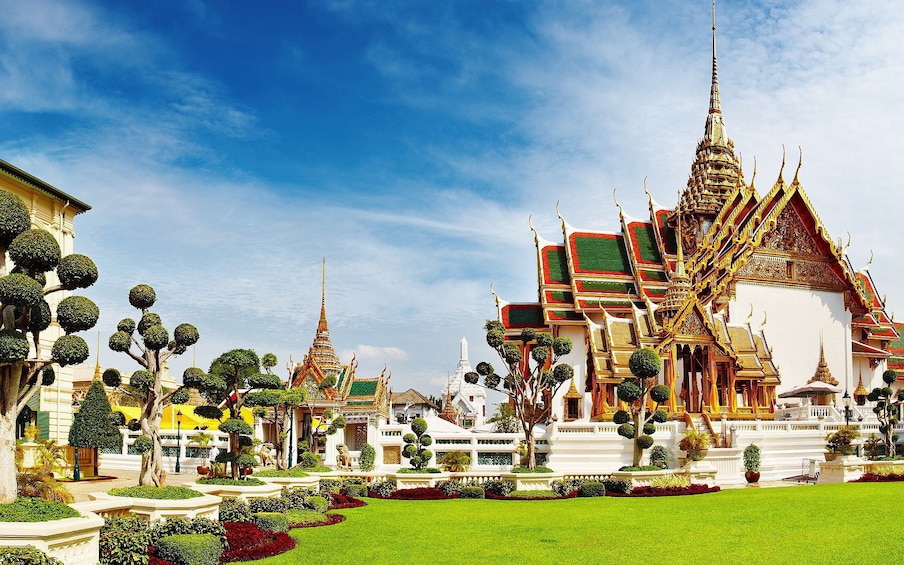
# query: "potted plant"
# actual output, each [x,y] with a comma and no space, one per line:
[839,442]
[752,463]
[202,440]
[695,443]
[31,433]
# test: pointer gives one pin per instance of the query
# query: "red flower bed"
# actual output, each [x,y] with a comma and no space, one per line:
[330,520]
[251,543]
[339,501]
[669,491]
[874,478]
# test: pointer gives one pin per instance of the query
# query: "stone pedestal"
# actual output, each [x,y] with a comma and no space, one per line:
[699,472]
[844,469]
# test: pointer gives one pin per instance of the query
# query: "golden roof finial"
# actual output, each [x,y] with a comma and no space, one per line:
[800,161]
[870,262]
[621,212]
[782,169]
[753,178]
[647,192]
[822,373]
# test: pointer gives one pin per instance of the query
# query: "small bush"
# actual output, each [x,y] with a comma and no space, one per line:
[615,486]
[640,468]
[35,510]
[156,493]
[247,542]
[472,492]
[295,497]
[450,487]
[659,457]
[26,556]
[317,503]
[329,486]
[234,510]
[593,488]
[266,505]
[176,526]
[299,517]
[367,457]
[538,469]
[124,540]
[190,549]
[567,486]
[382,488]
[226,481]
[357,491]
[499,488]
[533,494]
[309,460]
[271,521]
[294,472]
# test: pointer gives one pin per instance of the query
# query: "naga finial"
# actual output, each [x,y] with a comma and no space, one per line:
[800,161]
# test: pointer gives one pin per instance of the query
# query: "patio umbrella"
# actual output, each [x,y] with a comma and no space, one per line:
[816,388]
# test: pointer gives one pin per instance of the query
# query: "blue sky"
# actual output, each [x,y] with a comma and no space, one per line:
[226,149]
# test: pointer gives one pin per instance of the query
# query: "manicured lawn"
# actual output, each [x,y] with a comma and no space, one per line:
[812,524]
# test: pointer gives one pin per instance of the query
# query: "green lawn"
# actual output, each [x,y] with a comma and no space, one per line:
[812,524]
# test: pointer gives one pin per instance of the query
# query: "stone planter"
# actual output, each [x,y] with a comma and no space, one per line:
[640,478]
[74,541]
[842,470]
[533,481]
[241,492]
[207,506]
[312,482]
[417,480]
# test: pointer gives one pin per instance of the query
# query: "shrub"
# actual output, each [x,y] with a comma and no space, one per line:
[294,497]
[328,486]
[471,492]
[593,488]
[640,468]
[256,505]
[190,549]
[752,458]
[303,516]
[615,486]
[367,457]
[309,460]
[670,491]
[26,556]
[450,487]
[422,493]
[567,486]
[124,541]
[382,488]
[271,521]
[226,481]
[35,510]
[499,488]
[533,494]
[659,457]
[294,472]
[247,542]
[156,493]
[537,469]
[234,510]
[317,503]
[357,491]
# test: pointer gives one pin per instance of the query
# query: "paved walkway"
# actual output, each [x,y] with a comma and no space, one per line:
[115,478]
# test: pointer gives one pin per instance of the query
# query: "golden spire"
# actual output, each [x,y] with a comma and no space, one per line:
[860,390]
[322,352]
[822,373]
[97,373]
[716,171]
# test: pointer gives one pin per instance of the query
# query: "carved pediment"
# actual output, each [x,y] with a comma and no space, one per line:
[790,235]
[693,325]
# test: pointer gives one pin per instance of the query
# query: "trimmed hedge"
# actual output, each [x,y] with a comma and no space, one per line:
[156,493]
[669,491]
[357,491]
[225,481]
[294,472]
[317,503]
[126,540]
[250,543]
[593,488]
[472,492]
[271,521]
[25,509]
[26,556]
[302,517]
[190,549]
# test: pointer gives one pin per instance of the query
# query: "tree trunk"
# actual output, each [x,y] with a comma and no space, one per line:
[638,431]
[151,416]
[284,443]
[9,393]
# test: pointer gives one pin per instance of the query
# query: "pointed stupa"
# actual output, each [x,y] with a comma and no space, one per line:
[716,170]
[322,352]
[822,373]
[679,286]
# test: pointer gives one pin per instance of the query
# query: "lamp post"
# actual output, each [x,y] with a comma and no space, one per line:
[846,398]
[76,471]
[178,439]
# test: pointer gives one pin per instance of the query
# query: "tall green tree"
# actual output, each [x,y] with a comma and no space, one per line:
[25,362]
[232,376]
[637,423]
[886,410]
[94,425]
[150,347]
[533,377]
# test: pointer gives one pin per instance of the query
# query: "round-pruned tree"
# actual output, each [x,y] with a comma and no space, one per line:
[276,406]
[886,410]
[148,342]
[636,422]
[94,425]
[25,362]
[534,375]
[232,376]
[416,444]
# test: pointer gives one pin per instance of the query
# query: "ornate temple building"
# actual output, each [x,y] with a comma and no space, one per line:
[464,404]
[364,403]
[742,292]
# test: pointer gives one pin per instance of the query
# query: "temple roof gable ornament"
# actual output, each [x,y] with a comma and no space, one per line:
[823,374]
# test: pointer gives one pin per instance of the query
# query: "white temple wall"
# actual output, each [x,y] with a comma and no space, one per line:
[796,319]
[578,360]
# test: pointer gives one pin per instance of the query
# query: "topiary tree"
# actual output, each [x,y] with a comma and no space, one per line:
[367,458]
[149,344]
[276,407]
[94,424]
[233,376]
[416,444]
[25,362]
[636,423]
[886,410]
[533,376]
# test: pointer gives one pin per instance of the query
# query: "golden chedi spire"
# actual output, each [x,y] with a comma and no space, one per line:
[679,286]
[322,352]
[822,369]
[716,170]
